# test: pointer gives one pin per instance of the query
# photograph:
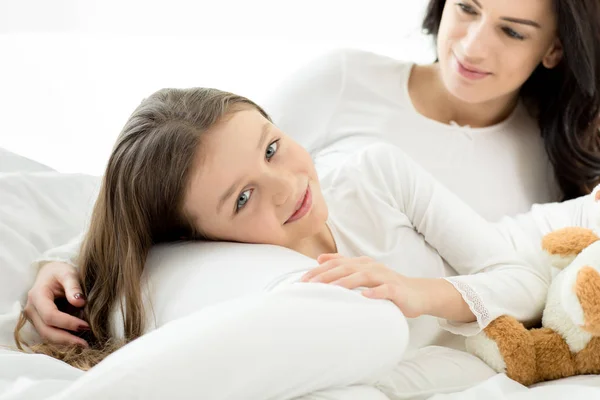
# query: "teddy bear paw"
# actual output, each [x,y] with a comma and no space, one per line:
[487,350]
[507,347]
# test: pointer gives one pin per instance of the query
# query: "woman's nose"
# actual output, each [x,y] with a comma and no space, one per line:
[476,42]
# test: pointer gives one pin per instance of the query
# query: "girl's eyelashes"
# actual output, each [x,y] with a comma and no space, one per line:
[244,197]
[272,149]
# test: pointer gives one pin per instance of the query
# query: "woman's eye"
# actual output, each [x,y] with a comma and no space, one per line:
[467,9]
[272,149]
[243,199]
[513,34]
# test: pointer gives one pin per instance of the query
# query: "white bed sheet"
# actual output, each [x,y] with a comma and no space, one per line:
[34,377]
[299,341]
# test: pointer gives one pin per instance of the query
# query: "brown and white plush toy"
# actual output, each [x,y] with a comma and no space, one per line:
[569,341]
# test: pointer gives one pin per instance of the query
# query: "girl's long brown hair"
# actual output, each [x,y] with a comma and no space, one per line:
[140,203]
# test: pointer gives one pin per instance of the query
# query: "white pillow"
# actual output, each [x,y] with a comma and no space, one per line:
[38,211]
[183,278]
[12,162]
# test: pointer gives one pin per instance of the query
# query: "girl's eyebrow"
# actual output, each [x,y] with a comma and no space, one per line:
[263,136]
[266,128]
[228,194]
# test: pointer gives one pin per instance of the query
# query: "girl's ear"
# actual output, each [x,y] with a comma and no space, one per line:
[554,55]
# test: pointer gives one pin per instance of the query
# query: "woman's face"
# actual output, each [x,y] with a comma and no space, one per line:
[251,183]
[487,49]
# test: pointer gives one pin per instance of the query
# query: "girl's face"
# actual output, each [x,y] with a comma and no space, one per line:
[251,183]
[487,49]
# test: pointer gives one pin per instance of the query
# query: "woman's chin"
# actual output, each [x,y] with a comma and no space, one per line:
[470,95]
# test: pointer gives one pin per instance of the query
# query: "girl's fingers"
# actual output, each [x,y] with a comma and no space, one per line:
[358,279]
[326,266]
[333,260]
[333,274]
[384,291]
[323,258]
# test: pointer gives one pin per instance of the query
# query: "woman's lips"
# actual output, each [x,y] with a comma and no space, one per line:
[469,72]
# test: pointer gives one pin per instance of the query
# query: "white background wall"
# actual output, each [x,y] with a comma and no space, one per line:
[72,71]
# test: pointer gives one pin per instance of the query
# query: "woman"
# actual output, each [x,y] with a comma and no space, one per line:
[264,189]
[494,154]
[512,101]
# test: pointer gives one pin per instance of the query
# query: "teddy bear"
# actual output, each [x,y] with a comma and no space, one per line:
[568,343]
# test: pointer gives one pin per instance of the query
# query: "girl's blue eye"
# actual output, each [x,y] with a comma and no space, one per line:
[271,150]
[243,199]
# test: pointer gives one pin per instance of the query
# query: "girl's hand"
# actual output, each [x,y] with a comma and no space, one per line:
[381,281]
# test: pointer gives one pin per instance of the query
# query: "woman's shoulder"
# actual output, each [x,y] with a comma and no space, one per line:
[351,62]
[368,65]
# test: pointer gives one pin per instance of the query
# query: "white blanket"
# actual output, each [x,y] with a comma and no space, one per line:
[304,341]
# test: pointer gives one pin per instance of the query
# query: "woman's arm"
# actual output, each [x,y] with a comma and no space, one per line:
[529,228]
[66,253]
[57,277]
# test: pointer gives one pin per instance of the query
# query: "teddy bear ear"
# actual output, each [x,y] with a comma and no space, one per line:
[563,245]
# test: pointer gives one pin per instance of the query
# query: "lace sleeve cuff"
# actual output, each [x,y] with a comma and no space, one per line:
[474,302]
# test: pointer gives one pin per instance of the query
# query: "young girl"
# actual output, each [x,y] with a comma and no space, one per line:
[204,164]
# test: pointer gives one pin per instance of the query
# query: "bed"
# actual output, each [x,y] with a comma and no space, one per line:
[261,335]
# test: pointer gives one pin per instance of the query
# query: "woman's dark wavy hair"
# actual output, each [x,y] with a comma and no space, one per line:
[565,99]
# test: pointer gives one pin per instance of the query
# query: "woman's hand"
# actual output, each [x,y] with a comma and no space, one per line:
[383,282]
[54,282]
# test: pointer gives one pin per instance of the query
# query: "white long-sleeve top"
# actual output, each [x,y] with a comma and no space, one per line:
[385,206]
[350,98]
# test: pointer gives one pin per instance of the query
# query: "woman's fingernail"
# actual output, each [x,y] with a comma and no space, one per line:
[79,296]
[83,328]
[315,279]
[368,292]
